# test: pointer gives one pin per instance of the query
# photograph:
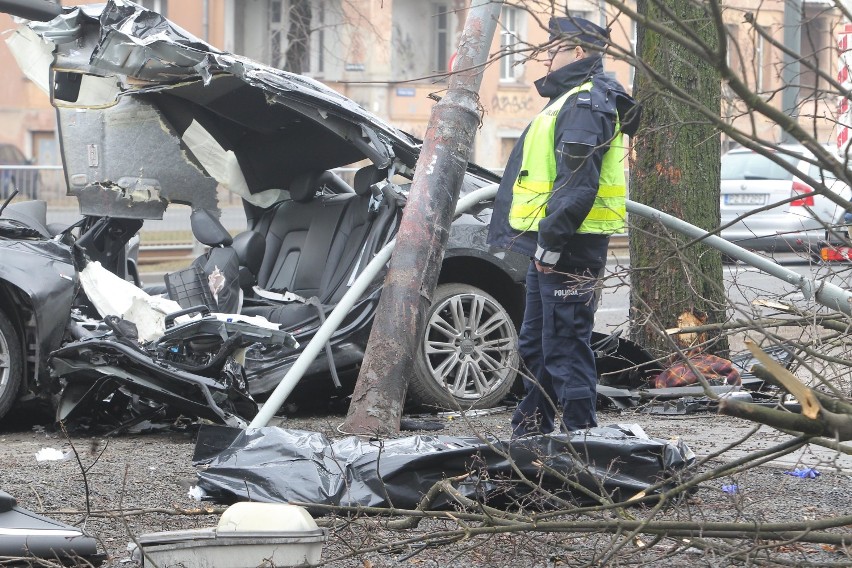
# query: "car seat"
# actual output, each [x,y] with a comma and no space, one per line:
[218,269]
[322,246]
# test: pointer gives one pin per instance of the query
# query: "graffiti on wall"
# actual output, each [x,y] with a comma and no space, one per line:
[513,104]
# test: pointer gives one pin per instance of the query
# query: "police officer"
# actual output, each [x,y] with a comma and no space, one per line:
[561,197]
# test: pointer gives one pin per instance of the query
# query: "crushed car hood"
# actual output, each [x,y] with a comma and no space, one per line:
[196,118]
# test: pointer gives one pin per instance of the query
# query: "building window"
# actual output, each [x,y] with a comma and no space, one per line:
[291,27]
[159,6]
[634,43]
[441,57]
[759,61]
[510,68]
[732,48]
[816,51]
[276,31]
[319,37]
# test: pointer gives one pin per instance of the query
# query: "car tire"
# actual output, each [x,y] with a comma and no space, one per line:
[11,364]
[461,363]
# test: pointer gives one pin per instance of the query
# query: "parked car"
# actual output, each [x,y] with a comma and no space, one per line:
[13,176]
[753,181]
[838,246]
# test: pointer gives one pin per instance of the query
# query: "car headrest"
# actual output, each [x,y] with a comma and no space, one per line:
[250,247]
[31,213]
[304,187]
[207,228]
[366,177]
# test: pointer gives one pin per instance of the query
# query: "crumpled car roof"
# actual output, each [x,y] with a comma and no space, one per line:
[196,117]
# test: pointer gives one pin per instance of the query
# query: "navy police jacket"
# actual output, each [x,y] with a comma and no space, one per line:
[583,122]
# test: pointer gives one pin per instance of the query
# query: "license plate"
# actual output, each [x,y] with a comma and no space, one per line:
[745,199]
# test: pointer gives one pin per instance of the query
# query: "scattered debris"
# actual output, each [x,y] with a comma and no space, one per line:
[804,473]
[50,454]
[196,493]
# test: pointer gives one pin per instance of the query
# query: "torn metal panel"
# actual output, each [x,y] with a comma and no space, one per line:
[693,391]
[33,55]
[782,354]
[261,465]
[111,181]
[97,372]
[36,271]
[621,363]
[692,405]
[621,399]
[111,381]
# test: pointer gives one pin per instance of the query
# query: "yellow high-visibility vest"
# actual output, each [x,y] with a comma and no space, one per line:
[534,186]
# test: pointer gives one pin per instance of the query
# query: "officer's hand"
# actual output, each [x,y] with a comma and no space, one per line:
[543,268]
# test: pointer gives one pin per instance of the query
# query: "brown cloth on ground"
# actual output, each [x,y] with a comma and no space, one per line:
[716,370]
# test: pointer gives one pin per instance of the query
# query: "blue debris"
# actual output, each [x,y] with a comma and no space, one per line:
[804,473]
[730,489]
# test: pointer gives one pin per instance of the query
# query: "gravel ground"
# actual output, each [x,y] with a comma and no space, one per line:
[153,472]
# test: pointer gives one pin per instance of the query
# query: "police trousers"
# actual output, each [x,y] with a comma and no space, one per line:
[554,344]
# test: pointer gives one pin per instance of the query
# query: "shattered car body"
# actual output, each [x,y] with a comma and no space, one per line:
[94,367]
[199,119]
[26,250]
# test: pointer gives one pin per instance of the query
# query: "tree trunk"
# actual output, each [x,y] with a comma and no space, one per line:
[675,170]
[379,395]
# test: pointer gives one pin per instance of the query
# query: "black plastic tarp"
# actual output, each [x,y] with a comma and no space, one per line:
[278,465]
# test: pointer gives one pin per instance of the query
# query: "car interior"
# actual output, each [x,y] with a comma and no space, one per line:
[310,245]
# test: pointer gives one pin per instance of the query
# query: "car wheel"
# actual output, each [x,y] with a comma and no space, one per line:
[468,353]
[11,365]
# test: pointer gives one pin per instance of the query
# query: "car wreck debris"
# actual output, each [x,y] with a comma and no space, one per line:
[25,538]
[201,119]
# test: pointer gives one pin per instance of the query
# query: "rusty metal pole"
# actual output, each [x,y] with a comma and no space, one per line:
[379,394]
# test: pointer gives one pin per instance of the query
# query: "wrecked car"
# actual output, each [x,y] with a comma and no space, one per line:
[200,120]
[57,344]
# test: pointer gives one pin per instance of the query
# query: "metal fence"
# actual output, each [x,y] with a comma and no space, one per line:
[33,182]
